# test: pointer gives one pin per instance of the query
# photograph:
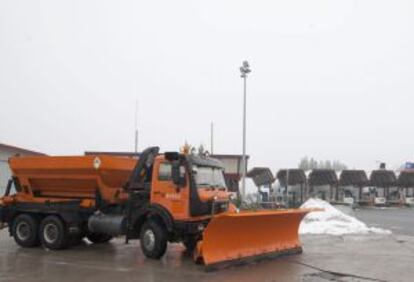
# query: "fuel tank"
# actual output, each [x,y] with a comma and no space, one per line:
[113,225]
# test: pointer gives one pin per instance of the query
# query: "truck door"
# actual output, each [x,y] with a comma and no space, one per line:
[166,193]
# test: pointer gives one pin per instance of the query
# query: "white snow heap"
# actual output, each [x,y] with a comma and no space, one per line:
[332,221]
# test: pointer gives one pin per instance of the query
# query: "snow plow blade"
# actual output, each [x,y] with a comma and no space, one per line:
[235,238]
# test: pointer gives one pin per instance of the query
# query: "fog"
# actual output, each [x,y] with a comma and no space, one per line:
[330,79]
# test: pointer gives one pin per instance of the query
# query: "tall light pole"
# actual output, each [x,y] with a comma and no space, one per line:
[136,127]
[244,70]
[211,138]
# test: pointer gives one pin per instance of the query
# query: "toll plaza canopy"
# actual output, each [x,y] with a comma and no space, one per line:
[261,176]
[353,178]
[319,177]
[296,176]
[383,178]
[406,179]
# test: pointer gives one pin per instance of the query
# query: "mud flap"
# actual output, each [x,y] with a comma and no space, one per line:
[249,236]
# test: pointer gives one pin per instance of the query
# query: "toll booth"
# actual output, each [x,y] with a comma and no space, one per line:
[323,184]
[405,182]
[353,188]
[386,190]
[263,179]
[294,183]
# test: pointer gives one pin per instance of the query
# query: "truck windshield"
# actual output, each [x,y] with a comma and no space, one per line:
[209,177]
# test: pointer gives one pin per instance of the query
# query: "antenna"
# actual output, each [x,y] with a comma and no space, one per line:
[136,126]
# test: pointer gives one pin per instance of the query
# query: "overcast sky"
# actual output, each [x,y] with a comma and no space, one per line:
[330,79]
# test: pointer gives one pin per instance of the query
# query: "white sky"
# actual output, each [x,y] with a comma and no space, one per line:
[330,79]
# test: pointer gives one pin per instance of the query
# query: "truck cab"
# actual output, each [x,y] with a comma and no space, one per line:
[191,187]
[179,192]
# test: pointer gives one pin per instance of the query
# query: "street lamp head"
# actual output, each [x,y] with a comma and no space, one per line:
[243,73]
[245,69]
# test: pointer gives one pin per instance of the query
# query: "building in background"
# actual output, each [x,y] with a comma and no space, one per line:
[233,165]
[7,151]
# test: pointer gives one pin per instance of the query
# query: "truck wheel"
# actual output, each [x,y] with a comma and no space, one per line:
[25,230]
[53,234]
[153,239]
[98,238]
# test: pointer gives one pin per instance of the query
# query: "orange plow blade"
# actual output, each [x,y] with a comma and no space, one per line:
[248,236]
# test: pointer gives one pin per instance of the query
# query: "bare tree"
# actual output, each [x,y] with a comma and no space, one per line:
[309,164]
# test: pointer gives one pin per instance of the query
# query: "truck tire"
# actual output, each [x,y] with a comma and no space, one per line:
[153,239]
[25,230]
[99,238]
[53,234]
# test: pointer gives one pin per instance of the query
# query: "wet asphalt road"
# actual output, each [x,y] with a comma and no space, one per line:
[325,258]
[398,220]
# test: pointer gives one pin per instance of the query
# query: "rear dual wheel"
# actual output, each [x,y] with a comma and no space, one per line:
[25,230]
[53,234]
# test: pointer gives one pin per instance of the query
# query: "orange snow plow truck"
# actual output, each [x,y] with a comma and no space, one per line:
[159,198]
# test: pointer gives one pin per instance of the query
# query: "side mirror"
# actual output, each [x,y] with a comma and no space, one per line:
[178,176]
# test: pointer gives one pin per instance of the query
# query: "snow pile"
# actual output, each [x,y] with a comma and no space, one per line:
[332,221]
